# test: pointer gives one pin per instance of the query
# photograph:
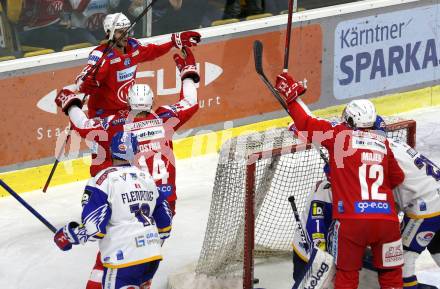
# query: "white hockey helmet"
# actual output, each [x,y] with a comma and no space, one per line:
[114,22]
[140,97]
[359,113]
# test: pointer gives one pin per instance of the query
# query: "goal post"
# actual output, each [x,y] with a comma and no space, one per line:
[250,217]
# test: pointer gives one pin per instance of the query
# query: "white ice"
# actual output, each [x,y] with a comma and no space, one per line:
[30,260]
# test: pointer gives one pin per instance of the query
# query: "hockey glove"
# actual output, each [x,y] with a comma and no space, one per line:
[185,39]
[89,85]
[66,98]
[289,88]
[66,236]
[187,65]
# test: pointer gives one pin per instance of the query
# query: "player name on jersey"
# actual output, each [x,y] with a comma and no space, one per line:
[368,157]
[136,196]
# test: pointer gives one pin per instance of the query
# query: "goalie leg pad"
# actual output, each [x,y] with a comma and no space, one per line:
[319,272]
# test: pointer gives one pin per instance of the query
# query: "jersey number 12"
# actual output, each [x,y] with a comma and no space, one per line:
[375,172]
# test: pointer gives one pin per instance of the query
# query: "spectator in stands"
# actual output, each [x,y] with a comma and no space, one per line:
[276,6]
[85,17]
[37,22]
[233,8]
[165,17]
[45,24]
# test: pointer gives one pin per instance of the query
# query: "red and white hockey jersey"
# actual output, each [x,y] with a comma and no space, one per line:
[363,170]
[39,13]
[154,132]
[117,74]
[89,14]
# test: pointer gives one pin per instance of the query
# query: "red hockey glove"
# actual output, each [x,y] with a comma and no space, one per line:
[289,87]
[185,39]
[65,237]
[187,65]
[89,85]
[66,98]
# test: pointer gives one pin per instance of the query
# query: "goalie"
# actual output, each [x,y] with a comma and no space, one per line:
[417,197]
[363,172]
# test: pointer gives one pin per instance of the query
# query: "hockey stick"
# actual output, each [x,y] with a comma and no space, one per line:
[27,206]
[288,34]
[110,45]
[304,236]
[258,58]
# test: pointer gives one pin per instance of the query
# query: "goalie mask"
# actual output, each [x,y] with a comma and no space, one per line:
[114,22]
[359,113]
[140,97]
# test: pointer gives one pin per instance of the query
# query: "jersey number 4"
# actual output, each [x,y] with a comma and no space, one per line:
[375,172]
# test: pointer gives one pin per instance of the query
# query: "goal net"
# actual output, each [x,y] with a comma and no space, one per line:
[250,216]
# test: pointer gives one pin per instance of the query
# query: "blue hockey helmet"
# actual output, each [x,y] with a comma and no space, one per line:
[124,146]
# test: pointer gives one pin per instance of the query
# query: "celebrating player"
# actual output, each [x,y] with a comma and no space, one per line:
[109,83]
[123,209]
[417,196]
[153,128]
[363,172]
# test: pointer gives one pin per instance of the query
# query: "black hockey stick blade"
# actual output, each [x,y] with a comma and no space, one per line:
[258,58]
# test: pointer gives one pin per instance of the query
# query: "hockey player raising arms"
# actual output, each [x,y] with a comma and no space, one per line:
[124,211]
[153,128]
[363,172]
[164,121]
[109,84]
[417,196]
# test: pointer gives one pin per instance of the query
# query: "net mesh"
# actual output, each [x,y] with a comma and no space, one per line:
[278,175]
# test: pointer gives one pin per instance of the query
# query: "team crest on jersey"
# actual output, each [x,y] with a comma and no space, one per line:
[127,61]
[123,91]
[133,176]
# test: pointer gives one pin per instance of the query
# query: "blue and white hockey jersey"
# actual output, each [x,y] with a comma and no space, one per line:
[122,208]
[317,217]
[419,194]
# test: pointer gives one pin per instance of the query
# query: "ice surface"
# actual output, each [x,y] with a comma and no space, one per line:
[30,260]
